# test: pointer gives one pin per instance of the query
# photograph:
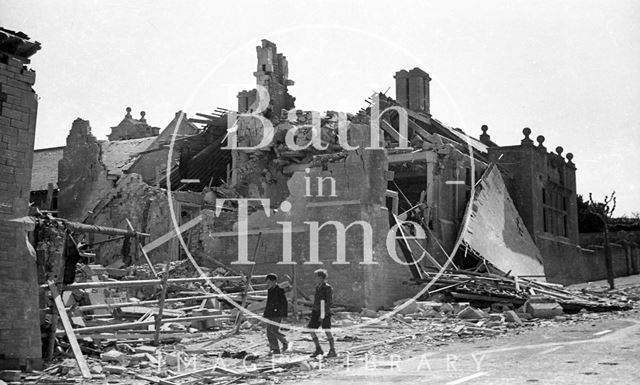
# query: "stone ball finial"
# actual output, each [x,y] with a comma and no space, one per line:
[128,110]
[526,141]
[569,156]
[484,128]
[128,114]
[142,114]
[540,140]
[559,150]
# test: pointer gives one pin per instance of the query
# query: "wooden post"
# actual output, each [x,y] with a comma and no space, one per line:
[82,364]
[607,255]
[247,287]
[49,202]
[51,340]
[163,294]
[604,211]
[146,257]
[294,298]
[135,246]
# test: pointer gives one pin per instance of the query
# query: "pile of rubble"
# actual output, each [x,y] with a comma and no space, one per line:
[506,291]
[110,315]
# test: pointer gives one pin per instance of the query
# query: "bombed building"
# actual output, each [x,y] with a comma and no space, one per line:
[327,188]
[383,198]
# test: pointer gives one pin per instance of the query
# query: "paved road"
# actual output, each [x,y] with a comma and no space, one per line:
[594,352]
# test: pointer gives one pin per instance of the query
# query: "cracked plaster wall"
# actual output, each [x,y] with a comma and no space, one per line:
[82,177]
[146,208]
[360,186]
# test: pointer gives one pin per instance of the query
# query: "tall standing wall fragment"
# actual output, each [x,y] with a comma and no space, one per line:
[20,346]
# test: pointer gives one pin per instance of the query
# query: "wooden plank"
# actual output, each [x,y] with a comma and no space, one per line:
[146,257]
[96,295]
[199,121]
[151,379]
[486,298]
[117,305]
[418,156]
[151,282]
[420,131]
[136,311]
[171,234]
[388,128]
[294,273]
[51,340]
[189,374]
[68,329]
[134,325]
[163,295]
[247,287]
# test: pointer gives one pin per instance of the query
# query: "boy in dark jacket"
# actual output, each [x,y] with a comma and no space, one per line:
[321,313]
[275,310]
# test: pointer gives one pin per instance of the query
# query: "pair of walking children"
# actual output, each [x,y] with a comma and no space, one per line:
[276,309]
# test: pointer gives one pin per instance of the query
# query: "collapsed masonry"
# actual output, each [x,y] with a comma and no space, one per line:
[111,203]
[523,220]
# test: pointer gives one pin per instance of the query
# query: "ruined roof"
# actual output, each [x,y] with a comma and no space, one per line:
[45,168]
[209,166]
[497,233]
[473,142]
[185,129]
[17,44]
[119,155]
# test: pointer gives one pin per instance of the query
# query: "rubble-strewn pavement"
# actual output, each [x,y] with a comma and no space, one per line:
[427,340]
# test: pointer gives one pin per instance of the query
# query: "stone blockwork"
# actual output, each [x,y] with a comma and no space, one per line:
[360,187]
[543,186]
[273,74]
[20,346]
[147,209]
[574,264]
[143,205]
[412,89]
[82,177]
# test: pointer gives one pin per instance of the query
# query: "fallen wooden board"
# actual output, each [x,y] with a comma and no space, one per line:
[144,253]
[170,235]
[151,282]
[134,325]
[68,330]
[152,379]
[137,311]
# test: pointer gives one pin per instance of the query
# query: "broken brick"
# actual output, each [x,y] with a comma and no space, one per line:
[471,313]
[512,316]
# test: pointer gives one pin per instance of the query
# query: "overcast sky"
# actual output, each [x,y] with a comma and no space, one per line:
[569,70]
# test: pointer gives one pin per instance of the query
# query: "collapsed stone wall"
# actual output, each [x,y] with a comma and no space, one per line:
[50,244]
[82,177]
[360,186]
[146,207]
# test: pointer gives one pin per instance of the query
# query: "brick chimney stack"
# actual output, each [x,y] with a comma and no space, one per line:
[412,90]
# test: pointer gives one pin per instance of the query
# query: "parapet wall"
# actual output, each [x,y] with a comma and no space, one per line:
[566,263]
